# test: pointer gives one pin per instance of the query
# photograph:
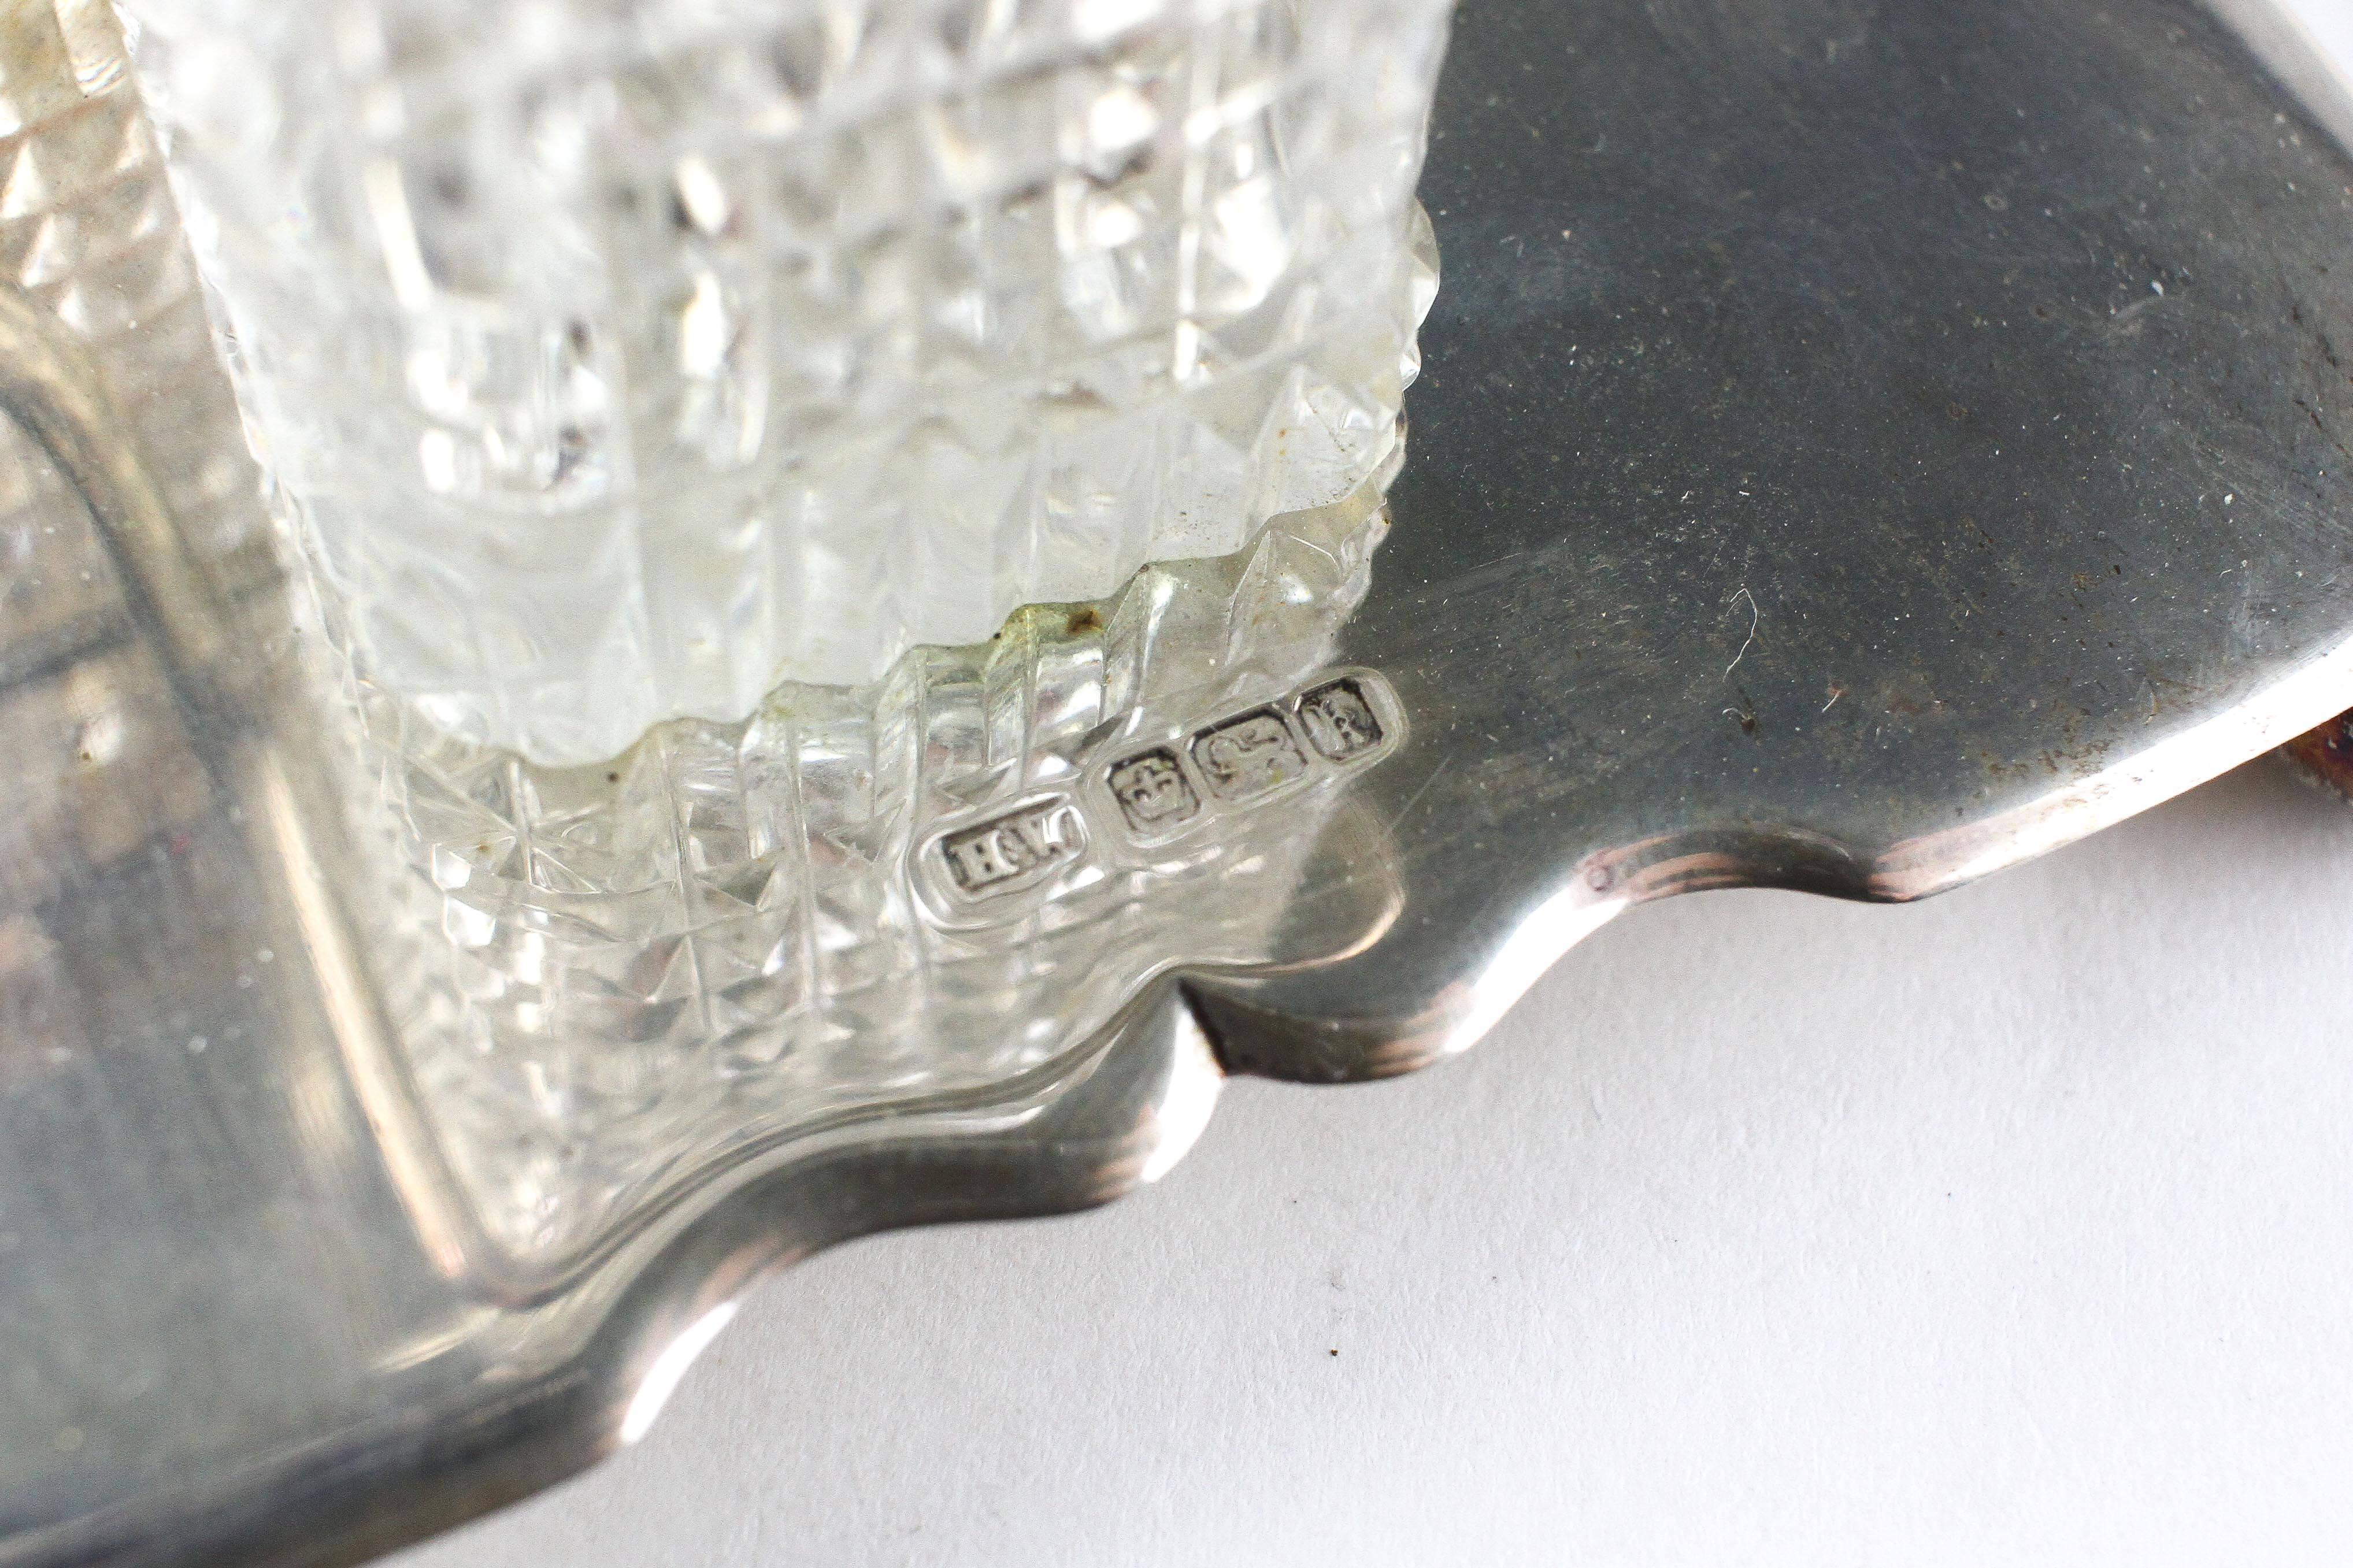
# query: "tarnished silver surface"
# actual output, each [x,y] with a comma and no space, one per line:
[1864,443]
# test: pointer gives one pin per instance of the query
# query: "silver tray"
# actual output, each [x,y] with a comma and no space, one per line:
[1863,444]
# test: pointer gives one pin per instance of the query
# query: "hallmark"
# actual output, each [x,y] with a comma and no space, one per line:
[1153,792]
[1245,758]
[1344,721]
[1339,721]
[1015,850]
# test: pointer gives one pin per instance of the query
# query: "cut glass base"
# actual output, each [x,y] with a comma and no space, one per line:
[869,898]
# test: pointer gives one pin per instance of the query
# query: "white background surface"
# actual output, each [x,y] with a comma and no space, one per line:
[2330,23]
[2008,1228]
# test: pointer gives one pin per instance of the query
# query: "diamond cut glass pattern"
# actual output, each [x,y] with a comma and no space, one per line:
[621,359]
[620,972]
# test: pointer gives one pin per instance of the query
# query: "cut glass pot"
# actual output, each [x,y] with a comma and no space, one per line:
[610,362]
[619,359]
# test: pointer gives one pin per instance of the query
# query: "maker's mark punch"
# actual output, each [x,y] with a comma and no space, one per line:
[1015,850]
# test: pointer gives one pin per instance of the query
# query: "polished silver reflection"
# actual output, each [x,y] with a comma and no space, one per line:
[1814,485]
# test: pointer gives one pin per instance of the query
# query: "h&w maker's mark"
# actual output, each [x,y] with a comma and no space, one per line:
[1014,851]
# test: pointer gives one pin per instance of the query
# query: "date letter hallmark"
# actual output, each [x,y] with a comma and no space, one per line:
[1339,721]
[1014,851]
